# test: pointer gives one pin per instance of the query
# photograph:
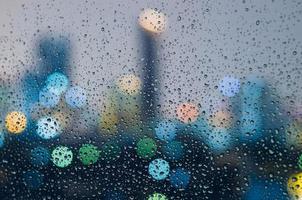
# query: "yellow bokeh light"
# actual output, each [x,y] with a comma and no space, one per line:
[152,21]
[221,119]
[109,116]
[109,122]
[129,84]
[15,122]
[294,185]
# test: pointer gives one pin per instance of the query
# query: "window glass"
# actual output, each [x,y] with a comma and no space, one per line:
[150,100]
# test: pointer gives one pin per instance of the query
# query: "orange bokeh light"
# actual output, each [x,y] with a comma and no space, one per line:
[187,112]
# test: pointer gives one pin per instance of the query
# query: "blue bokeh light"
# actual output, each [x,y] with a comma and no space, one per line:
[180,178]
[219,139]
[40,156]
[33,179]
[76,97]
[166,130]
[48,127]
[48,98]
[159,169]
[259,189]
[229,86]
[57,83]
[173,150]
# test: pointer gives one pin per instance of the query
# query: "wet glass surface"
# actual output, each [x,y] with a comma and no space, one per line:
[150,100]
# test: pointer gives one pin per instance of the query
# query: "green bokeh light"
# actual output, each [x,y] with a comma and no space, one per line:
[300,161]
[89,154]
[62,156]
[146,148]
[157,196]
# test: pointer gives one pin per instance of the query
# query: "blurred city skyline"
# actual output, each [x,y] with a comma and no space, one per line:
[195,52]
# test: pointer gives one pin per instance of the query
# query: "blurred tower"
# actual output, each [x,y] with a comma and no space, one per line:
[152,23]
[150,82]
[134,99]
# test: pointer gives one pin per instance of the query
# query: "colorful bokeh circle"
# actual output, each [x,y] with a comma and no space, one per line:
[166,130]
[146,148]
[129,84]
[265,190]
[40,156]
[180,178]
[48,98]
[57,83]
[187,112]
[300,162]
[76,97]
[33,179]
[159,169]
[15,122]
[229,86]
[152,20]
[48,127]
[294,185]
[173,150]
[89,154]
[157,196]
[221,119]
[62,156]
